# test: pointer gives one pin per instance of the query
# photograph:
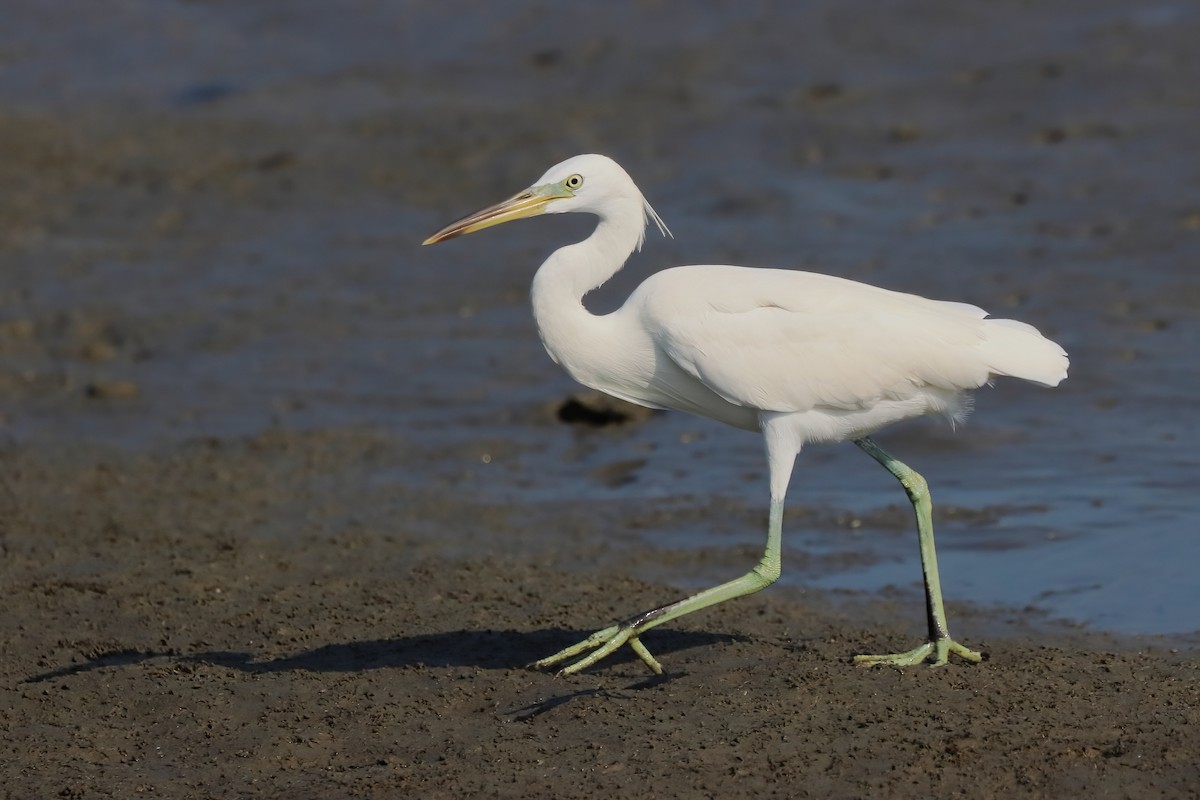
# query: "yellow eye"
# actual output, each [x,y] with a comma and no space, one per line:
[573,182]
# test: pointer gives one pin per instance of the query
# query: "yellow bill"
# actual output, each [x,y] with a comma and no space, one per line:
[526,204]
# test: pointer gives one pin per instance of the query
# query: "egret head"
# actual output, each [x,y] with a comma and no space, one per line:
[588,183]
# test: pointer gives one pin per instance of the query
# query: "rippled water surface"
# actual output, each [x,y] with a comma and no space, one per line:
[1048,175]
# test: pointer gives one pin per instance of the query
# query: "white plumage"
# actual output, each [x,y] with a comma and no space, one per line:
[800,356]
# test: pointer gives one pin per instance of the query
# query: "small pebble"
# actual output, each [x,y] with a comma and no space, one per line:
[111,390]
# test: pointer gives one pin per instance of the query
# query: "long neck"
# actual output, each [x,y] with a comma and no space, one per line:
[567,328]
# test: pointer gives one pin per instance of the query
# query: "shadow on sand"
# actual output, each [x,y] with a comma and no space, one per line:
[486,649]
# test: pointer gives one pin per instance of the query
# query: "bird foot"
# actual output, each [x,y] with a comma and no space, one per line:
[601,643]
[940,648]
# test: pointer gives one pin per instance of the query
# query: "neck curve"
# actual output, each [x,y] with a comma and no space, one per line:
[568,330]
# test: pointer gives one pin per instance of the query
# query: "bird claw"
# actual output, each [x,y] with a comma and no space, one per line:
[940,648]
[602,643]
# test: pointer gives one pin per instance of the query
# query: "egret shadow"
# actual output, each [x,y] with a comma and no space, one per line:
[543,706]
[486,649]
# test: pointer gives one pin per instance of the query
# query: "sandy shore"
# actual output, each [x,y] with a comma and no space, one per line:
[284,504]
[153,645]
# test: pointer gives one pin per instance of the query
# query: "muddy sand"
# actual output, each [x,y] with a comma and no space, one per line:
[286,503]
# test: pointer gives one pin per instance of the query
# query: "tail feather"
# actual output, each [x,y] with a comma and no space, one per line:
[1018,350]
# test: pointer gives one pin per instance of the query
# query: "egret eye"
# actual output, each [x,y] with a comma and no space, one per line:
[573,182]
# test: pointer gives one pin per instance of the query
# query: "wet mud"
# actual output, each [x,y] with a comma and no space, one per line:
[287,502]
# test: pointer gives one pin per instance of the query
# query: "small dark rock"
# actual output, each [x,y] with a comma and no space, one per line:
[598,410]
[111,390]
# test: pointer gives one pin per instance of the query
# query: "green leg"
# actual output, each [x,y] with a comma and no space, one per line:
[940,645]
[604,642]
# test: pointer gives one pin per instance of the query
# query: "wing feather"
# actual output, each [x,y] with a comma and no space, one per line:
[781,340]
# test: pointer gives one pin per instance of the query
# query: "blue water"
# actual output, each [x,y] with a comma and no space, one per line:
[1079,502]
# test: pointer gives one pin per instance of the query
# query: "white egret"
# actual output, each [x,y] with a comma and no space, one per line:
[799,356]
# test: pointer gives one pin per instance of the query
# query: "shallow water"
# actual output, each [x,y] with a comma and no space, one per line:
[1045,175]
